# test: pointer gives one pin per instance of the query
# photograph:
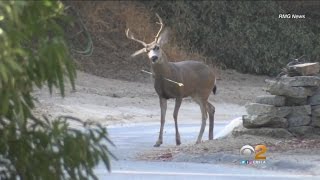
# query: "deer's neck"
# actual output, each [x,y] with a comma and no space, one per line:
[162,69]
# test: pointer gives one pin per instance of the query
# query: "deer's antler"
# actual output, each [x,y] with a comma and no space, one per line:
[130,36]
[161,27]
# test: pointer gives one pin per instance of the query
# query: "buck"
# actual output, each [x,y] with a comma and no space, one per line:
[197,78]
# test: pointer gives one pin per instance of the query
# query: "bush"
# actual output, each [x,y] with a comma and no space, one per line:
[33,52]
[244,35]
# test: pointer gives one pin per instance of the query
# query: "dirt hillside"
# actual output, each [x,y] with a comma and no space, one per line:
[106,22]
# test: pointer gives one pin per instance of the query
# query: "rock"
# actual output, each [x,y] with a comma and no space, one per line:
[315,111]
[301,110]
[314,100]
[271,100]
[267,132]
[300,81]
[305,131]
[316,130]
[295,121]
[290,101]
[253,121]
[306,69]
[264,109]
[281,89]
[317,91]
[315,121]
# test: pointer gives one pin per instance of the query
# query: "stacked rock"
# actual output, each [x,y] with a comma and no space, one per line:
[314,102]
[292,109]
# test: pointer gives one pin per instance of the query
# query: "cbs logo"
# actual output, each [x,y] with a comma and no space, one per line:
[258,150]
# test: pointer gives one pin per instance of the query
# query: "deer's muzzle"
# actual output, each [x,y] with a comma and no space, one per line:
[154,58]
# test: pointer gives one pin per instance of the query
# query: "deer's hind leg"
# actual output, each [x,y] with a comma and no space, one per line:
[204,113]
[211,111]
[175,117]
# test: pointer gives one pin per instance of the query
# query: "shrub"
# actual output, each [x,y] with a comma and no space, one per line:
[33,53]
[244,35]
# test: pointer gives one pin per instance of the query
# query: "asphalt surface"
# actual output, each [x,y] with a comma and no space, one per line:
[134,138]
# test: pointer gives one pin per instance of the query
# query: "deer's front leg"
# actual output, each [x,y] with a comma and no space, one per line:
[163,106]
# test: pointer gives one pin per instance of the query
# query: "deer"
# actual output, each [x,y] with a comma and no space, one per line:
[198,81]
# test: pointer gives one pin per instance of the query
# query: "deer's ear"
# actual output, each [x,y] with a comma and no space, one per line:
[163,39]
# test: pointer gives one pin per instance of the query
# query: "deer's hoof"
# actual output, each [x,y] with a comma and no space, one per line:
[158,143]
[198,142]
[178,142]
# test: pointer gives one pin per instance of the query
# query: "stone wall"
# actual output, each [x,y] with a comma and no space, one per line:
[291,110]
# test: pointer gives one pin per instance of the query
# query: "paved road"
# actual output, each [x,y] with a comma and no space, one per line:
[131,139]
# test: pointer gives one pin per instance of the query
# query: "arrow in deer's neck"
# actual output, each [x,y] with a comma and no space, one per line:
[179,84]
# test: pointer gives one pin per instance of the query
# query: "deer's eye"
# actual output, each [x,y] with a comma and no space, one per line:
[156,48]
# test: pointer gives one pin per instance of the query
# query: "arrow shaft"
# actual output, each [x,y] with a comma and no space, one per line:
[179,84]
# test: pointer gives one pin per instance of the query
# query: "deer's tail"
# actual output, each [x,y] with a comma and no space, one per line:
[214,90]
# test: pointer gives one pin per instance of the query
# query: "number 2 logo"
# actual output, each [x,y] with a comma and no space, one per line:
[260,151]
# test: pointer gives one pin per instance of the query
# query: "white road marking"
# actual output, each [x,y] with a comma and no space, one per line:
[205,174]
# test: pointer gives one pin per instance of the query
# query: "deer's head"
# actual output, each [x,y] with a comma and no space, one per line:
[153,49]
